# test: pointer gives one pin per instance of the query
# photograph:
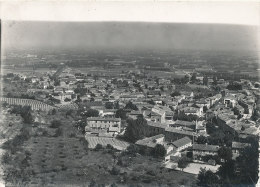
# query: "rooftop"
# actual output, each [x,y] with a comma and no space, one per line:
[157,124]
[151,141]
[238,145]
[171,129]
[103,119]
[205,147]
[181,142]
[184,123]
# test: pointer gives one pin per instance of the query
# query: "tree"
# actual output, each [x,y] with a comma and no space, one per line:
[116,105]
[78,100]
[4,104]
[69,113]
[255,115]
[84,142]
[234,86]
[193,77]
[183,162]
[120,113]
[109,105]
[26,114]
[214,80]
[67,99]
[92,183]
[53,112]
[80,91]
[225,153]
[91,113]
[135,129]
[247,162]
[55,124]
[56,83]
[113,185]
[246,111]
[132,149]
[205,108]
[115,170]
[9,95]
[205,80]
[131,106]
[236,111]
[175,93]
[151,102]
[159,151]
[58,132]
[98,147]
[207,178]
[227,171]
[202,140]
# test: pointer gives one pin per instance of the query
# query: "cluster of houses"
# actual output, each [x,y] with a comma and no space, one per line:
[153,100]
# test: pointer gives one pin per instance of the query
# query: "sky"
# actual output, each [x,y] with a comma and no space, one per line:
[233,12]
[128,36]
[131,25]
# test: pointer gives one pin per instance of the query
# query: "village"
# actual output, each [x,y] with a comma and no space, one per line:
[191,121]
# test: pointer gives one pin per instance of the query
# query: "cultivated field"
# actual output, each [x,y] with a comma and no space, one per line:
[93,141]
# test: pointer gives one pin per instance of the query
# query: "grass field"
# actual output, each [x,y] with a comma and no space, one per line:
[46,160]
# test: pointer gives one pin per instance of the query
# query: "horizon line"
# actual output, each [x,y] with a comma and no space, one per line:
[129,21]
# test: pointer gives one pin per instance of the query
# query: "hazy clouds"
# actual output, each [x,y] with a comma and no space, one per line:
[128,35]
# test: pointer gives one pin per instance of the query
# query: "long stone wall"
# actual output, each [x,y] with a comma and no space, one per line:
[34,104]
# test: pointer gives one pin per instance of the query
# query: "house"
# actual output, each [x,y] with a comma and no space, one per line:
[135,114]
[180,123]
[192,110]
[173,134]
[108,113]
[58,90]
[203,102]
[240,109]
[214,99]
[228,123]
[182,143]
[155,128]
[237,147]
[104,124]
[201,128]
[165,113]
[230,101]
[169,116]
[178,146]
[200,150]
[151,142]
[152,116]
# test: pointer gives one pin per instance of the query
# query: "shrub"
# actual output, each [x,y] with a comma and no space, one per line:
[183,162]
[115,171]
[55,124]
[159,151]
[6,159]
[109,146]
[72,135]
[132,149]
[58,132]
[98,147]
